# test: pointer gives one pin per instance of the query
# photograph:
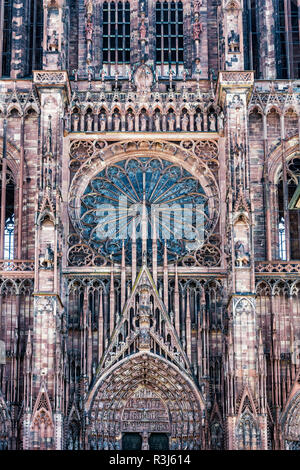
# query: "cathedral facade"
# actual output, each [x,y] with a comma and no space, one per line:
[150,224]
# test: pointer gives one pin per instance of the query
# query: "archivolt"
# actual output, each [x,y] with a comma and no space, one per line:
[175,388]
[291,420]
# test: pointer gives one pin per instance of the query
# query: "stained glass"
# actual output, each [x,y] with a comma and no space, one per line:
[146,201]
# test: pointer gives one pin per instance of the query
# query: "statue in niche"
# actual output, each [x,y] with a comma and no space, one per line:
[53,42]
[47,260]
[143,122]
[89,30]
[212,122]
[76,119]
[143,30]
[242,257]
[130,122]
[117,122]
[198,121]
[157,122]
[197,28]
[234,41]
[102,122]
[89,122]
[88,8]
[171,121]
[184,122]
[143,78]
[221,118]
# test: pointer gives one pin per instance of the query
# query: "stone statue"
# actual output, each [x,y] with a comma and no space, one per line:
[212,122]
[241,257]
[234,41]
[197,29]
[143,78]
[88,8]
[130,121]
[198,121]
[221,121]
[143,30]
[89,30]
[117,122]
[76,122]
[47,261]
[143,122]
[184,122]
[89,122]
[171,122]
[157,122]
[102,122]
[53,42]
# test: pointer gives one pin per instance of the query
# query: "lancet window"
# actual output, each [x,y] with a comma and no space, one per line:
[169,32]
[116,32]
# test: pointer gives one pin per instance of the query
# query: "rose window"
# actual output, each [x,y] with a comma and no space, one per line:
[145,204]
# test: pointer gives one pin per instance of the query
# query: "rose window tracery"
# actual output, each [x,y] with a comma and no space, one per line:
[145,204]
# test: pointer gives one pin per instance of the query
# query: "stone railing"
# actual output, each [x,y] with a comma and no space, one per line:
[58,78]
[16,265]
[277,267]
[238,77]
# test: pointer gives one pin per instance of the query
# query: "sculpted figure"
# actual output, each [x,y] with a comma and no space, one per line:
[171,122]
[198,122]
[53,42]
[89,31]
[47,260]
[221,121]
[102,122]
[212,122]
[117,122]
[143,30]
[197,29]
[76,122]
[241,257]
[234,41]
[130,121]
[88,8]
[157,122]
[143,122]
[184,122]
[89,122]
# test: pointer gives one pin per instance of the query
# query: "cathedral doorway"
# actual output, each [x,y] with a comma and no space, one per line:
[144,397]
[158,441]
[132,441]
[146,412]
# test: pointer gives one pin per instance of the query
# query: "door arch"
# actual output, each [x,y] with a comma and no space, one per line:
[178,399]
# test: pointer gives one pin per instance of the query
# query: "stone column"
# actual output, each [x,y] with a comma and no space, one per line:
[243,362]
[48,324]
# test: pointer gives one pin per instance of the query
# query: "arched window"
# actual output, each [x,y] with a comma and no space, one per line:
[6,14]
[7,202]
[169,33]
[287,38]
[288,220]
[116,32]
[35,31]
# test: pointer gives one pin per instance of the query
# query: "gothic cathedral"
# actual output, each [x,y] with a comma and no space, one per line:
[150,224]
